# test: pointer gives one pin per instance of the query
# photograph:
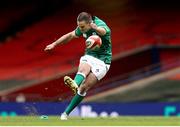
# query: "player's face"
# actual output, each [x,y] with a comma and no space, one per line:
[83,26]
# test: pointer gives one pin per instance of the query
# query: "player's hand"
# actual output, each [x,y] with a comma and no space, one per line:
[93,26]
[49,47]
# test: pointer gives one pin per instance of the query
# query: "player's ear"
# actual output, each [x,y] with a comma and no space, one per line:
[90,22]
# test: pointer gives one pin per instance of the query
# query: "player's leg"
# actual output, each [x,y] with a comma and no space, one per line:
[98,71]
[90,81]
[83,70]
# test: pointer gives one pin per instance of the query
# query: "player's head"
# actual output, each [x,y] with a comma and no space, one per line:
[84,20]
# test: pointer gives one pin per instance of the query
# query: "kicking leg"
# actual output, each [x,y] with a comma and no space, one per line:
[90,81]
[83,71]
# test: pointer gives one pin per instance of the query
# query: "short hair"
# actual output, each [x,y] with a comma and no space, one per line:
[84,16]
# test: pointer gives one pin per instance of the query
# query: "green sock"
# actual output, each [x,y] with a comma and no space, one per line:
[79,78]
[74,102]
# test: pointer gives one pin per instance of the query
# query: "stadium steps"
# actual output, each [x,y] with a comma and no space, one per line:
[38,86]
[127,35]
[121,62]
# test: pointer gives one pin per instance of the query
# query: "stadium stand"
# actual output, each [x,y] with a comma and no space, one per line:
[24,63]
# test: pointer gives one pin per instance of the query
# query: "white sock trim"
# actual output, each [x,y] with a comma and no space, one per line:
[84,94]
[80,73]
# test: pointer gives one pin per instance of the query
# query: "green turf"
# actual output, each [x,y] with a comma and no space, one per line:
[120,121]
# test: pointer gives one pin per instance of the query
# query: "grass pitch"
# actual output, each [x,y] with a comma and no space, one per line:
[76,121]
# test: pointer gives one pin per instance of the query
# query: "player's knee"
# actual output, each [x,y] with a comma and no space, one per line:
[84,69]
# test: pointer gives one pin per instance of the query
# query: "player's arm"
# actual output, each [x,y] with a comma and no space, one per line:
[100,30]
[62,40]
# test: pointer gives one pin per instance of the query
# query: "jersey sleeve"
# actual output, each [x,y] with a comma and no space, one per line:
[78,32]
[103,25]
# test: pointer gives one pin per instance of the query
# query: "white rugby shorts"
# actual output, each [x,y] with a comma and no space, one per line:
[98,67]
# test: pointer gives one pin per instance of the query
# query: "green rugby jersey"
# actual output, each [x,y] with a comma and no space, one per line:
[104,53]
